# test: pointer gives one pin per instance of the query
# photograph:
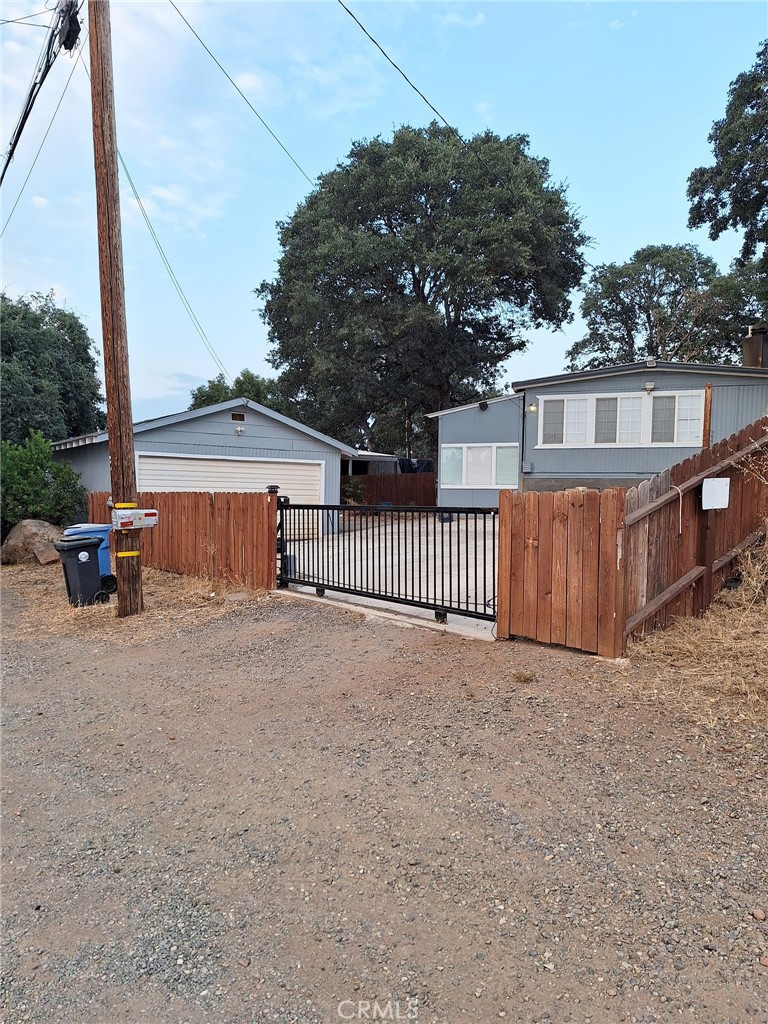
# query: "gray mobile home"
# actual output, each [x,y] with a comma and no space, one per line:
[233,446]
[608,427]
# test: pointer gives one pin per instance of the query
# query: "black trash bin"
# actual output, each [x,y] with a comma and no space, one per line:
[80,561]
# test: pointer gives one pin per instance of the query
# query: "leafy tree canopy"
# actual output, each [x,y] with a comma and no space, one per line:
[246,385]
[411,273]
[48,370]
[36,487]
[733,193]
[668,302]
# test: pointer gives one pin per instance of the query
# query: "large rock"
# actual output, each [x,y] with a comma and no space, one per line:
[31,540]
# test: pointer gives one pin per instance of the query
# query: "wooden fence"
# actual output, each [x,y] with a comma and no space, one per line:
[678,554]
[228,536]
[587,569]
[560,568]
[399,488]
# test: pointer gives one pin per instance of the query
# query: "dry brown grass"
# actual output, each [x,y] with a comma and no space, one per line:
[170,602]
[716,667]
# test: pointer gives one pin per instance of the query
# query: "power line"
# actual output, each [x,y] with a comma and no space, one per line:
[432,107]
[174,280]
[166,263]
[63,32]
[293,160]
[39,148]
[25,20]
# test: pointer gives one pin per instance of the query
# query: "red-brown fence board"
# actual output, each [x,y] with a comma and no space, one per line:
[222,535]
[531,563]
[399,488]
[559,565]
[544,581]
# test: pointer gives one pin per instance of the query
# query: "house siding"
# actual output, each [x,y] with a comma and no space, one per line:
[498,424]
[734,405]
[91,462]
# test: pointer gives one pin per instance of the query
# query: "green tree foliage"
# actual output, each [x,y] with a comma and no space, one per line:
[411,273]
[246,385]
[733,193]
[36,487]
[48,370]
[668,302]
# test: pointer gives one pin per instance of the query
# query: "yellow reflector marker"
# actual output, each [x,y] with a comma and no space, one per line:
[125,504]
[128,554]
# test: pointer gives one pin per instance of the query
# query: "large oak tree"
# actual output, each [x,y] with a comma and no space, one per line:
[411,273]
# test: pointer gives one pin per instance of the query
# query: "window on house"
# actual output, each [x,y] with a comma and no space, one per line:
[689,419]
[553,416]
[623,419]
[451,466]
[479,465]
[565,421]
[618,420]
[677,419]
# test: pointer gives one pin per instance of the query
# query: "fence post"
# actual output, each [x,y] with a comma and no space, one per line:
[273,503]
[705,555]
[611,614]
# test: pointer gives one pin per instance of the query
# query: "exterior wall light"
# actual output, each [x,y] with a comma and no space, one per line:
[533,407]
[649,386]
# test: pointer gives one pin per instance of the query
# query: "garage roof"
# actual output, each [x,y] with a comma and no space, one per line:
[163,421]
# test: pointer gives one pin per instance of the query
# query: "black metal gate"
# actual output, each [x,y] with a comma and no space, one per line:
[442,559]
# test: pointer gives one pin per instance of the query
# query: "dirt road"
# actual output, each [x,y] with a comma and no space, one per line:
[276,811]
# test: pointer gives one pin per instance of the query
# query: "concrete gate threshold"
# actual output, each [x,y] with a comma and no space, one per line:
[398,614]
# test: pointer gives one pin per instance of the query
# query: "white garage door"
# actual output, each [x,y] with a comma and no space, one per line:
[300,481]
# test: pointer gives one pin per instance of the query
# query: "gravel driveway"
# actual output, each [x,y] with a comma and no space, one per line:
[293,813]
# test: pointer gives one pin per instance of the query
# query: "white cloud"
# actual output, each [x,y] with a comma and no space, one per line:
[342,86]
[261,87]
[483,109]
[39,202]
[454,18]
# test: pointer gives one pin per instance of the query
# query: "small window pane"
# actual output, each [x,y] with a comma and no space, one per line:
[554,415]
[689,418]
[506,467]
[576,420]
[606,416]
[631,420]
[450,465]
[663,422]
[479,465]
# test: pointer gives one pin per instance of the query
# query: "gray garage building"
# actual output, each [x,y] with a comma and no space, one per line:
[234,446]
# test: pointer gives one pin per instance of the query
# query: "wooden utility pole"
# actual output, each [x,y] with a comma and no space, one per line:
[118,386]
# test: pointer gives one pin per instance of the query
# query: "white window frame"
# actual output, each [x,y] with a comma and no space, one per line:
[464,486]
[647,416]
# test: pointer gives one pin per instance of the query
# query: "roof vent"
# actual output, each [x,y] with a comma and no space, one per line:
[650,362]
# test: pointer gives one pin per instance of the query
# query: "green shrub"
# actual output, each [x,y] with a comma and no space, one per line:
[354,490]
[36,487]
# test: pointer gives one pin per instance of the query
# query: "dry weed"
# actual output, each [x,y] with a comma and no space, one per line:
[715,667]
[170,601]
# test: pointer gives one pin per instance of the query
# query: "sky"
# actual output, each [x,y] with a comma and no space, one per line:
[619,97]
